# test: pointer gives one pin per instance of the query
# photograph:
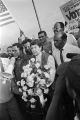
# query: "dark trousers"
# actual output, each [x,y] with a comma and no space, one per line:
[10,111]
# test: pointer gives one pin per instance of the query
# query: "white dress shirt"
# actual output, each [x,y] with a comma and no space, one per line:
[50,63]
[68,48]
[70,39]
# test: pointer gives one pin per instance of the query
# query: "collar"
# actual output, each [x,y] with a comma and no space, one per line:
[65,46]
[38,57]
[19,57]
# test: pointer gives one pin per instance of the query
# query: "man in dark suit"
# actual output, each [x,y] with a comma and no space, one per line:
[61,107]
[21,60]
[73,81]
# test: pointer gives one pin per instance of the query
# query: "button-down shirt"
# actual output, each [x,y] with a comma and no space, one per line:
[70,40]
[68,48]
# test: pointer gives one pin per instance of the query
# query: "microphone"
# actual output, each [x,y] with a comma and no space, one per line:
[71,55]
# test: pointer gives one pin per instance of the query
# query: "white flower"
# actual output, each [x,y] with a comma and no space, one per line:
[24,94]
[32,100]
[24,67]
[30,92]
[24,98]
[46,67]
[32,75]
[25,74]
[37,65]
[47,75]
[20,90]
[18,83]
[22,74]
[24,88]
[30,84]
[29,70]
[22,82]
[39,92]
[38,79]
[42,81]
[29,78]
[42,100]
[26,70]
[29,81]
[46,90]
[27,66]
[39,71]
[32,60]
[33,106]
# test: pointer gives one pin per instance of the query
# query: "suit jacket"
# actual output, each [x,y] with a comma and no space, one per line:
[19,63]
[61,107]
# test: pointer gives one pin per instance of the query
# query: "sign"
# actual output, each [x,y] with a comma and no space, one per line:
[71,13]
[72,27]
[71,10]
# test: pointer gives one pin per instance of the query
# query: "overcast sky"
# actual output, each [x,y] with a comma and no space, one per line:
[23,12]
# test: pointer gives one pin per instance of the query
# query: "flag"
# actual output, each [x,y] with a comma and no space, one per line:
[5,16]
[21,33]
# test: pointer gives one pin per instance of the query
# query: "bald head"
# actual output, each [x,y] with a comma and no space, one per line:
[60,39]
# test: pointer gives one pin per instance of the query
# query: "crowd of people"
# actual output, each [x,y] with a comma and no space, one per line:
[61,99]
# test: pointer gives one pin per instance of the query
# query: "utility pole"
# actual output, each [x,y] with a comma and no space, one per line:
[36,15]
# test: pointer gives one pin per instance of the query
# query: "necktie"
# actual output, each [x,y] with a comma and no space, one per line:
[61,56]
